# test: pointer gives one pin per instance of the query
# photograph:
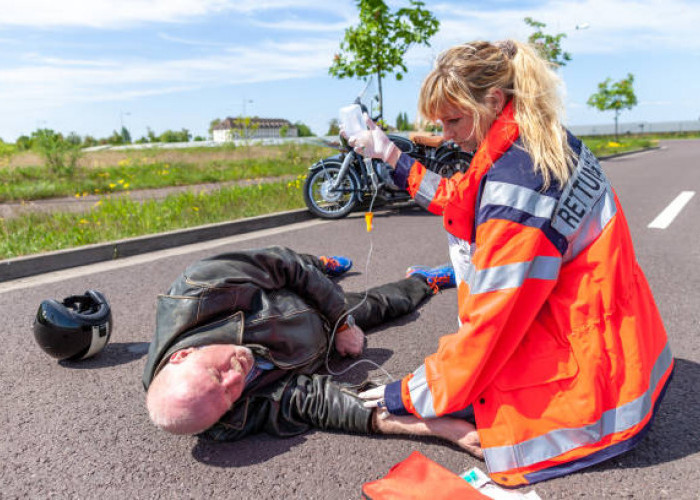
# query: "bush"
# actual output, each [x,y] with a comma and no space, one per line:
[60,155]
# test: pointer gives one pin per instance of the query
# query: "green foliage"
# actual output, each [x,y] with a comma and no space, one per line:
[303,130]
[89,141]
[548,46]
[402,122]
[126,136]
[284,131]
[614,96]
[183,135]
[378,44]
[7,150]
[24,143]
[120,217]
[60,155]
[143,169]
[212,124]
[333,127]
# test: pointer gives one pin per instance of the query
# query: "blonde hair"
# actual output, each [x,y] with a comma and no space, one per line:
[465,75]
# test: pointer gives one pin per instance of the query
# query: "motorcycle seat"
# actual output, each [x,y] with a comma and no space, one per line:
[425,139]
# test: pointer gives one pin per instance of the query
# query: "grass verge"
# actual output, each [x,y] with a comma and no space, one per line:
[117,218]
[144,171]
[605,146]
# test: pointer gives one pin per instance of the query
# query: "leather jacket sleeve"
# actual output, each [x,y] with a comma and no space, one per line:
[324,404]
[271,268]
[293,406]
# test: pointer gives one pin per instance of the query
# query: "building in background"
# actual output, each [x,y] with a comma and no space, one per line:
[253,128]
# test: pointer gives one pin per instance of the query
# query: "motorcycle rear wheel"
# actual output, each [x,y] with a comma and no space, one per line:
[453,162]
[321,200]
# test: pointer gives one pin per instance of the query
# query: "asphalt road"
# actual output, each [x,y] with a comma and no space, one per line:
[80,430]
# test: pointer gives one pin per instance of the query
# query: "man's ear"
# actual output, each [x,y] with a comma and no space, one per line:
[179,356]
[496,100]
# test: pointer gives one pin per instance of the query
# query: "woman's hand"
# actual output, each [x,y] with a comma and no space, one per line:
[374,143]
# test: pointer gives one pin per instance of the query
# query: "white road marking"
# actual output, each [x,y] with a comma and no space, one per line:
[664,219]
[75,272]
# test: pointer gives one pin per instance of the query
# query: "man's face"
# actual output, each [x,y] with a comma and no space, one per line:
[218,372]
[458,126]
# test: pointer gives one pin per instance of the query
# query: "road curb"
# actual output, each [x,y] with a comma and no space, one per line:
[22,267]
[627,153]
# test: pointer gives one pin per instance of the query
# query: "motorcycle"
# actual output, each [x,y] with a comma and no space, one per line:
[336,185]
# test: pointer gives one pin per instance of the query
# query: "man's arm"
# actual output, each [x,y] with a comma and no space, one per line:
[455,430]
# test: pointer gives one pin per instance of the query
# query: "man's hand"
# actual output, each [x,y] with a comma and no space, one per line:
[374,143]
[350,341]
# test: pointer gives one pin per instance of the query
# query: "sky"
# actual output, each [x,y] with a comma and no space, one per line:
[91,66]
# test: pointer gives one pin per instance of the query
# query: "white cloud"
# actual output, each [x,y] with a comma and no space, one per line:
[614,26]
[125,13]
[54,80]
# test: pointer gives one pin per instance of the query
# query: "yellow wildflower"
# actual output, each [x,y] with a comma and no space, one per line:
[126,185]
[613,144]
[112,185]
[121,181]
[82,221]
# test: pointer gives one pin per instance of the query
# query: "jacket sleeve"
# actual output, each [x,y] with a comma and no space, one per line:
[515,267]
[271,268]
[429,189]
[292,406]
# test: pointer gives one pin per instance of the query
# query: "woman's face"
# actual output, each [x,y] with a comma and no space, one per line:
[458,126]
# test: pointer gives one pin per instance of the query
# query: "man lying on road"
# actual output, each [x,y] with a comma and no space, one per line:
[240,336]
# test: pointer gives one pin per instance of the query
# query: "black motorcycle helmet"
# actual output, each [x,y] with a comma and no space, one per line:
[76,328]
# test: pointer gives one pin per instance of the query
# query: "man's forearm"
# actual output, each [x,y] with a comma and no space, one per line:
[454,430]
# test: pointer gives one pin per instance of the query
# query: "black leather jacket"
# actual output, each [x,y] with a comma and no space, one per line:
[277,303]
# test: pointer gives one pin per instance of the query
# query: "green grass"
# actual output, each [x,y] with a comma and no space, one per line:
[38,182]
[604,146]
[120,217]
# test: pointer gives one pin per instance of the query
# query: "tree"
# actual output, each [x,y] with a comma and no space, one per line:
[402,122]
[548,46]
[126,136]
[333,127]
[24,143]
[377,45]
[303,130]
[212,124]
[614,96]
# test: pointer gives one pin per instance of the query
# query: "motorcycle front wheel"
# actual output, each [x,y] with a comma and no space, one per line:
[324,201]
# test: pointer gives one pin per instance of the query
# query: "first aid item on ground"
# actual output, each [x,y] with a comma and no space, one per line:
[352,119]
[482,482]
[419,478]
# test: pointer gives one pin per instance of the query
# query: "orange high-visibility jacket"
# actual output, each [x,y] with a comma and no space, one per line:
[561,349]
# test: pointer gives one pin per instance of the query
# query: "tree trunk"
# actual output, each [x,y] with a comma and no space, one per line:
[617,113]
[381,97]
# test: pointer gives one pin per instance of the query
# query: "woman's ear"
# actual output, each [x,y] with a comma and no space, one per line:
[179,356]
[496,100]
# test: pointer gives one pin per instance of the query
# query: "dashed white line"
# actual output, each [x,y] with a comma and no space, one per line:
[664,219]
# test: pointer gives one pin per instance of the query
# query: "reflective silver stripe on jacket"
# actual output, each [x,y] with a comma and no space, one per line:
[512,275]
[518,197]
[428,188]
[421,397]
[557,442]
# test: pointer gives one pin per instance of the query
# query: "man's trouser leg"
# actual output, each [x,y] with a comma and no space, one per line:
[387,302]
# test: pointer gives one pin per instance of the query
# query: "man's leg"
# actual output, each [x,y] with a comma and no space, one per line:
[387,302]
[454,430]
